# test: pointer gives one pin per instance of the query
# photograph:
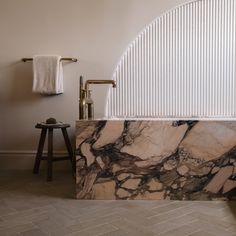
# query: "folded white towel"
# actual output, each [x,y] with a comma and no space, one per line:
[48,74]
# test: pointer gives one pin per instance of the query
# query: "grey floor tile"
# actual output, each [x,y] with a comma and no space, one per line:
[181,231]
[201,233]
[118,232]
[5,231]
[31,206]
[98,230]
[132,228]
[34,232]
[163,227]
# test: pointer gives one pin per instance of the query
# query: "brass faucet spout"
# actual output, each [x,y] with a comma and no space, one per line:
[99,82]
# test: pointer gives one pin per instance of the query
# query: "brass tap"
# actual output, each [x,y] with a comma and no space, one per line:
[88,82]
[85,102]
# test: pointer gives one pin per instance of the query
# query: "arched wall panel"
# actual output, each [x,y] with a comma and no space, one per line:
[182,65]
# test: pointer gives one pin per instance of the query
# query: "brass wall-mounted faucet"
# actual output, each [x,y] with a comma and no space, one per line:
[86,108]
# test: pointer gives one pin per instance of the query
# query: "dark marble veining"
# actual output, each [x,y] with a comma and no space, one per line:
[184,160]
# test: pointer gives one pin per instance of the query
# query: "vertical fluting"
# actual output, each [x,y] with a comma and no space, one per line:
[182,65]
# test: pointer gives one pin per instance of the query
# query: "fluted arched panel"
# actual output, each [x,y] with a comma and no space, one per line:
[181,65]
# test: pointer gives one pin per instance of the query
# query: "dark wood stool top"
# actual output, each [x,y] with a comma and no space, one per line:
[54,126]
[50,158]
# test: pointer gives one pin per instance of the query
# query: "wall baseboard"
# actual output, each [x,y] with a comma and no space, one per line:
[24,160]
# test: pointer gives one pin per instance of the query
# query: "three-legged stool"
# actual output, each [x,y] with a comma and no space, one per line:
[50,158]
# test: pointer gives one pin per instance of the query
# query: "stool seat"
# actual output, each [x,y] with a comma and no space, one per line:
[54,126]
[50,158]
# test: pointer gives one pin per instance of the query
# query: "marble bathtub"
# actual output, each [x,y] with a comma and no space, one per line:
[141,159]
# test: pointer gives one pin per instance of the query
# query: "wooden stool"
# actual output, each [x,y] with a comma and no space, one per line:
[50,158]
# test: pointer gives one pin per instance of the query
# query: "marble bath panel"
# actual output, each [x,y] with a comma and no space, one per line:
[156,160]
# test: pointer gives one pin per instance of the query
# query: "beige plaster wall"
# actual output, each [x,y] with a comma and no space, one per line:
[97,32]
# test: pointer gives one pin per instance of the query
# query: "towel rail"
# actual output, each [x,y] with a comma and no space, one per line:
[62,59]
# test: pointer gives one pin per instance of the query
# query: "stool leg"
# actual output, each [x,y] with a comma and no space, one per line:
[50,154]
[69,147]
[39,151]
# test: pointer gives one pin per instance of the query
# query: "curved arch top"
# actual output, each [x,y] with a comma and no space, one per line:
[181,65]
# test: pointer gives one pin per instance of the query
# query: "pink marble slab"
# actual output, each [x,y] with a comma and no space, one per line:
[194,160]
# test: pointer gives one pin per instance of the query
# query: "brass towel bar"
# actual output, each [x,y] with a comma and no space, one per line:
[62,59]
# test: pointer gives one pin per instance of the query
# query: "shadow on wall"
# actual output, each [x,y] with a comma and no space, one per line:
[21,90]
[232,206]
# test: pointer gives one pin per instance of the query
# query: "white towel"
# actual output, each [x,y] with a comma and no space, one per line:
[48,74]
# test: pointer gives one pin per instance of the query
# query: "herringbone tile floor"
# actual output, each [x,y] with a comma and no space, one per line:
[31,206]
